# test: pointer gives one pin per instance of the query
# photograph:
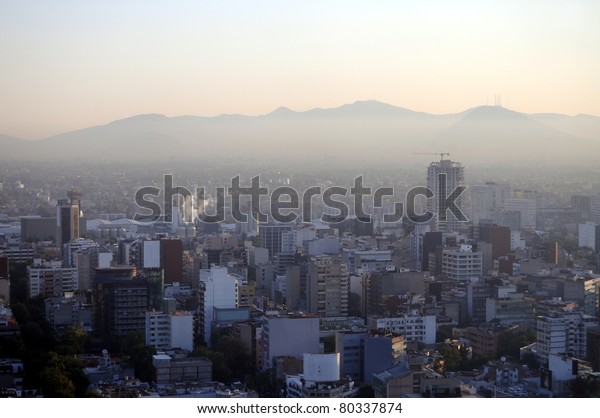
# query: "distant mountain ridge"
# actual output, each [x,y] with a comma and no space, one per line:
[362,130]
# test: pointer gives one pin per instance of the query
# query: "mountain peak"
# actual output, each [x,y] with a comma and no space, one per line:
[282,111]
[492,113]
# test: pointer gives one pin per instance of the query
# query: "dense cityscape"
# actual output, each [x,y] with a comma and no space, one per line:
[239,204]
[98,299]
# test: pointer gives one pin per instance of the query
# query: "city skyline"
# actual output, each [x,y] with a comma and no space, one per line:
[69,66]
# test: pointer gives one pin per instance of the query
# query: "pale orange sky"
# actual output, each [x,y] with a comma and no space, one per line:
[66,65]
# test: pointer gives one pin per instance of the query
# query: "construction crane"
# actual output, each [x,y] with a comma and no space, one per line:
[441,154]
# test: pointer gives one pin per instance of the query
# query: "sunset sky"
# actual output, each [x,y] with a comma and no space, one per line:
[66,65]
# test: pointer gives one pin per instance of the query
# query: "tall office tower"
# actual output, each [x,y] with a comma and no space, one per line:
[487,200]
[171,259]
[327,287]
[270,235]
[67,221]
[119,301]
[455,176]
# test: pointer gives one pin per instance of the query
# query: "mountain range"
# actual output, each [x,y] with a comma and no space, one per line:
[362,131]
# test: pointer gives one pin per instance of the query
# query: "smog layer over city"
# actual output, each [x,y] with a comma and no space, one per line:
[273,199]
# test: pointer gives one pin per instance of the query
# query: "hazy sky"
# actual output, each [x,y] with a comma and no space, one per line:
[71,64]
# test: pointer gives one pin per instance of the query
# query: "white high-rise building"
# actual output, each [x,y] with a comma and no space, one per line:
[51,278]
[218,289]
[454,177]
[462,264]
[563,332]
[167,331]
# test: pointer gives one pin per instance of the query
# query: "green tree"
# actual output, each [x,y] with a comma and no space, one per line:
[452,358]
[510,343]
[220,369]
[141,357]
[329,344]
[18,282]
[20,312]
[73,369]
[74,340]
[264,384]
[236,356]
[583,387]
[55,384]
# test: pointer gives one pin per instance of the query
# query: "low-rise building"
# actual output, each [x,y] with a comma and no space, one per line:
[170,369]
[69,310]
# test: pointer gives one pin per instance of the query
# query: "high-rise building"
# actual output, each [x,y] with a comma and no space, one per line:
[119,301]
[51,279]
[414,327]
[593,347]
[288,335]
[37,228]
[4,280]
[67,221]
[595,209]
[271,237]
[171,260]
[351,346]
[477,295]
[585,291]
[431,241]
[462,264]
[218,289]
[377,287]
[327,287]
[166,331]
[589,236]
[563,333]
[507,306]
[455,177]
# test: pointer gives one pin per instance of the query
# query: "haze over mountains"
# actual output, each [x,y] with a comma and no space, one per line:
[367,131]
